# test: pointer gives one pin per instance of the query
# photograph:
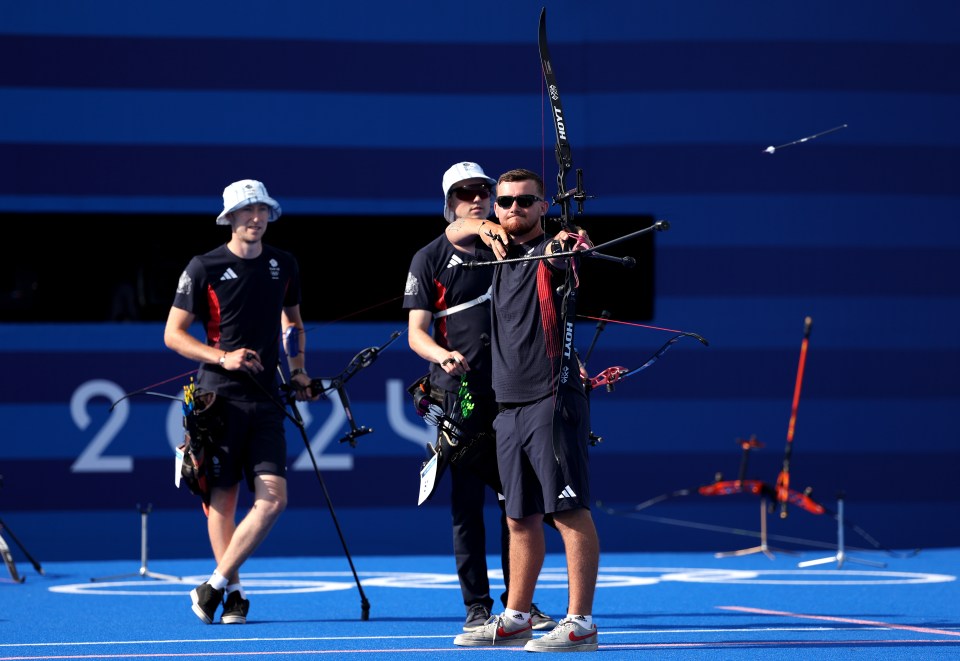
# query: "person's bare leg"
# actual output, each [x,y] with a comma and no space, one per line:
[221,522]
[582,546]
[527,551]
[269,501]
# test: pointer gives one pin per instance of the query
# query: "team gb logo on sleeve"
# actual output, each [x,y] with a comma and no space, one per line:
[413,286]
[185,284]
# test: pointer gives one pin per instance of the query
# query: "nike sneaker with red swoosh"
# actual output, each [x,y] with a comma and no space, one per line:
[569,636]
[499,631]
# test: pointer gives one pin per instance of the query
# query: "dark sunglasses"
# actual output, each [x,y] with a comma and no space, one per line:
[470,193]
[523,201]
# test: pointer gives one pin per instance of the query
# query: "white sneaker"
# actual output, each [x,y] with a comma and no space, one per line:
[497,632]
[568,636]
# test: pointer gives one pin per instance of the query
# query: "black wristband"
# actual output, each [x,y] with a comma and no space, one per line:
[297,371]
[556,246]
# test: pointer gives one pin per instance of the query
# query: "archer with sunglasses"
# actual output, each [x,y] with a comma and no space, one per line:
[449,327]
[544,471]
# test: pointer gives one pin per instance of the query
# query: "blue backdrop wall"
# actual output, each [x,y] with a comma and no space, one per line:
[356,109]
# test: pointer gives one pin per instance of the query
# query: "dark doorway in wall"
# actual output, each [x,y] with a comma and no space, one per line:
[117,267]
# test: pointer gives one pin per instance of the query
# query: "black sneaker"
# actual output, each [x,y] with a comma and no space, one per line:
[206,600]
[235,609]
[477,616]
[540,620]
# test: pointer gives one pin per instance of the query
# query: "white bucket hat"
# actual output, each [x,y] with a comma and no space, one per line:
[243,193]
[461,172]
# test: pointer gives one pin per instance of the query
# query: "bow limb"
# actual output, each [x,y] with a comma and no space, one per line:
[570,387]
[760,488]
[612,375]
[562,198]
[783,479]
[563,153]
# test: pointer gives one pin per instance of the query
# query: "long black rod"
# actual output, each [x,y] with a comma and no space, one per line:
[364,603]
[596,335]
[659,226]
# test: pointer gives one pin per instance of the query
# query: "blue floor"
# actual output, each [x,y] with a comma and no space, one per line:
[686,606]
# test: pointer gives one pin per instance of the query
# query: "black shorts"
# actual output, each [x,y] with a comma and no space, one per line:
[542,473]
[252,442]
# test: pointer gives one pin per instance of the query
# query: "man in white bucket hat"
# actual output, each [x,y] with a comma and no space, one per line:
[243,193]
[245,294]
[455,302]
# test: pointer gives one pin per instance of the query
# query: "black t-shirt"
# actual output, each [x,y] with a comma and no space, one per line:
[523,371]
[437,281]
[239,302]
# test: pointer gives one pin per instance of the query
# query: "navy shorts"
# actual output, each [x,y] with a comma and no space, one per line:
[541,473]
[252,442]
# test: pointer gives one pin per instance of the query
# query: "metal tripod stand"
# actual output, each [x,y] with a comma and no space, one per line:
[144,572]
[763,548]
[8,557]
[746,446]
[841,555]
